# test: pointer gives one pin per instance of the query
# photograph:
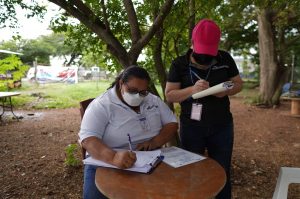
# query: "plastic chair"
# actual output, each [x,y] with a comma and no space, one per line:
[83,105]
[287,175]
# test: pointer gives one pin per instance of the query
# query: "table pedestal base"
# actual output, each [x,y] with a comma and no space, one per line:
[295,107]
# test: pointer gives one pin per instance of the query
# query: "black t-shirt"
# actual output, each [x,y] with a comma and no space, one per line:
[215,111]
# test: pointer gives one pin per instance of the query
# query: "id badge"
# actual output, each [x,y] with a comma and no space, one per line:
[196,111]
[144,122]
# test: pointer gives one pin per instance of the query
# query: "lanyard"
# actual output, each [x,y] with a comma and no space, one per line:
[193,73]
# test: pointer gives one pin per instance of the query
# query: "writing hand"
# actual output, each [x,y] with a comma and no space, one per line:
[200,85]
[124,159]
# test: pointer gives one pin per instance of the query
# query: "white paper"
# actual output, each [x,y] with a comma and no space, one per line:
[177,157]
[145,160]
[214,90]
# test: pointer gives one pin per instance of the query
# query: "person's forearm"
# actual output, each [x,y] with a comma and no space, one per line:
[236,88]
[98,150]
[179,95]
[166,134]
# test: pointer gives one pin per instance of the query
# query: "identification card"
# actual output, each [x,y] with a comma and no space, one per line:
[144,122]
[196,111]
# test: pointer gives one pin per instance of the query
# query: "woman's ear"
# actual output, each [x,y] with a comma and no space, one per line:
[120,83]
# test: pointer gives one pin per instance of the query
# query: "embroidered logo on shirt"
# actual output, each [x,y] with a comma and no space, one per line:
[151,107]
[219,67]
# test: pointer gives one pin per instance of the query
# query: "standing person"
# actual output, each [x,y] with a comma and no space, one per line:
[205,123]
[125,108]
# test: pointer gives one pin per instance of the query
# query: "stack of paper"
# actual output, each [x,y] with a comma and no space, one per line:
[177,157]
[146,161]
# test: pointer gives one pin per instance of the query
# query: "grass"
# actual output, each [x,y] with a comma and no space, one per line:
[62,95]
[57,95]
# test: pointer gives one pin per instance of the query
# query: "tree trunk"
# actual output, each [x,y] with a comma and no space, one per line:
[35,71]
[157,56]
[158,62]
[283,78]
[191,18]
[282,72]
[267,57]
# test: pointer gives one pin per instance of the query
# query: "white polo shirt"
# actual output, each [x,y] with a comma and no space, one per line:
[109,119]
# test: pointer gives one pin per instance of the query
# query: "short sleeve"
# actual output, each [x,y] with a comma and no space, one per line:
[167,116]
[233,70]
[174,73]
[94,121]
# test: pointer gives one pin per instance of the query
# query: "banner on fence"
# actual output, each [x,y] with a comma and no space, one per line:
[49,74]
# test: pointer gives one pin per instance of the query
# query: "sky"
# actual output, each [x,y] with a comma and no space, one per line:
[30,28]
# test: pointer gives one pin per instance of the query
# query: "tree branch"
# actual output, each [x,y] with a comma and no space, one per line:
[191,18]
[289,43]
[96,25]
[78,11]
[83,8]
[133,22]
[104,14]
[137,48]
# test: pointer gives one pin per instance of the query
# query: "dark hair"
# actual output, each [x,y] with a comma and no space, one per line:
[131,71]
[203,59]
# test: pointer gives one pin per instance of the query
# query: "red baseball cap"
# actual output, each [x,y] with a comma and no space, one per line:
[206,37]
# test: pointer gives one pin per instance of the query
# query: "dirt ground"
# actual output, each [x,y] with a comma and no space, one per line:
[33,152]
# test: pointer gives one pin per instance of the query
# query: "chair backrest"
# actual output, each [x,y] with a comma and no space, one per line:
[287,175]
[83,105]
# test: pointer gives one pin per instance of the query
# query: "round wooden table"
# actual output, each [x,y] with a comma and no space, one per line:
[204,179]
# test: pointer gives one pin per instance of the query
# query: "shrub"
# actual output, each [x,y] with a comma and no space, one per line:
[71,159]
[11,71]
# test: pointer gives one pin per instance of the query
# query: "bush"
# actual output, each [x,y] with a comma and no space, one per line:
[71,159]
[11,71]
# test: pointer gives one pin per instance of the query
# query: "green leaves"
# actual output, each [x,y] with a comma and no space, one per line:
[11,70]
[71,159]
[40,49]
[9,8]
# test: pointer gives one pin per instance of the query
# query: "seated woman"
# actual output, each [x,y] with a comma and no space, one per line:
[125,108]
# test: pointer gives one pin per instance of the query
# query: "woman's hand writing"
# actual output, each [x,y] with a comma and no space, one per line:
[200,85]
[124,159]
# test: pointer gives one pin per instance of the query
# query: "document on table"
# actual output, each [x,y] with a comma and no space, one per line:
[214,90]
[177,157]
[145,163]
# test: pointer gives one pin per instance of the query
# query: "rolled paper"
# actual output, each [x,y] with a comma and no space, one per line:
[214,90]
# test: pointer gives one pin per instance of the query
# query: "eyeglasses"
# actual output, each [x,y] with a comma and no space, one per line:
[134,91]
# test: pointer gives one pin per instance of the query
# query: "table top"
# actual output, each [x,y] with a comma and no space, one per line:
[204,179]
[9,94]
[291,98]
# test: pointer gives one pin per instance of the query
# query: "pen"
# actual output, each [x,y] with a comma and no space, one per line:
[129,142]
[196,75]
